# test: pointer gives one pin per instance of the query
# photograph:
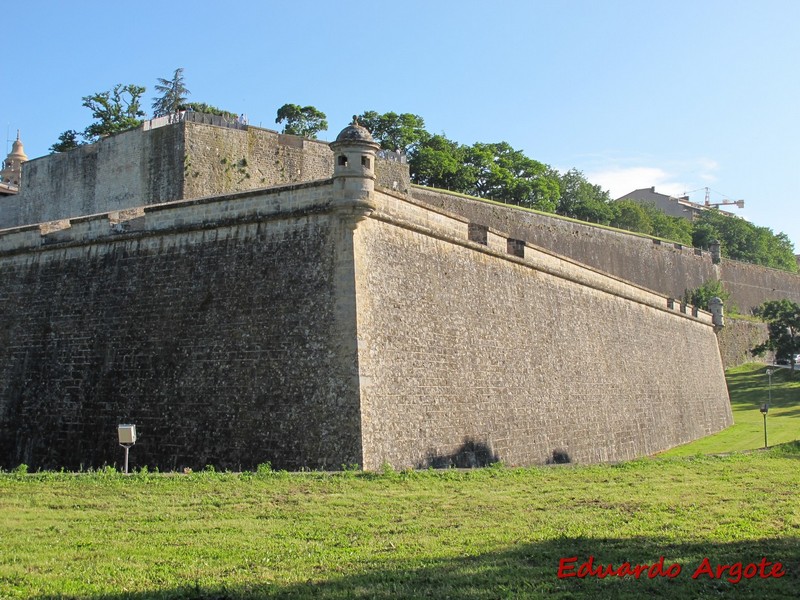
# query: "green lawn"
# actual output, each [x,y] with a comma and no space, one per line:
[749,388]
[487,533]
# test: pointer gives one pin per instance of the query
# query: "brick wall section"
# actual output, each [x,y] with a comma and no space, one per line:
[662,267]
[464,353]
[225,346]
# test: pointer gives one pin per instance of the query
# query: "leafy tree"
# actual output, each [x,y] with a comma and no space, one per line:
[783,323]
[665,226]
[173,94]
[404,132]
[67,141]
[202,107]
[631,216]
[502,173]
[582,200]
[306,121]
[701,296]
[646,218]
[704,234]
[741,240]
[439,162]
[114,111]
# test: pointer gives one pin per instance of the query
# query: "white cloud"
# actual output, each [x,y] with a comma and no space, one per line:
[676,178]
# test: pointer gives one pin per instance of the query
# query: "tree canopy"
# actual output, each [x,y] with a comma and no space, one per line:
[495,171]
[741,240]
[402,132]
[208,109]
[113,111]
[173,94]
[783,324]
[701,296]
[306,121]
[582,200]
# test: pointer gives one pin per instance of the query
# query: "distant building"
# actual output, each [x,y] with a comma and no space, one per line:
[11,173]
[669,205]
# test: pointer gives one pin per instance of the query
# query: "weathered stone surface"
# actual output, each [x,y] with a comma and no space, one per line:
[737,338]
[665,268]
[463,353]
[323,323]
[179,161]
[224,346]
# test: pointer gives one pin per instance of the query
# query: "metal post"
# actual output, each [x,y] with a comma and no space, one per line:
[769,374]
[765,431]
[126,458]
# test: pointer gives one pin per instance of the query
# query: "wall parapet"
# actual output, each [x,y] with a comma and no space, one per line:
[404,212]
[196,213]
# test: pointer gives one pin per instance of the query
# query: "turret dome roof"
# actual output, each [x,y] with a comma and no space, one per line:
[355,132]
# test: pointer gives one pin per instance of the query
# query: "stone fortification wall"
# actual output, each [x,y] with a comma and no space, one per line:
[470,354]
[220,160]
[267,326]
[750,285]
[221,329]
[119,172]
[174,162]
[666,268]
[737,338]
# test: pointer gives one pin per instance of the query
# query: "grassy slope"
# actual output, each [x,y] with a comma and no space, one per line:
[483,534]
[749,389]
[490,533]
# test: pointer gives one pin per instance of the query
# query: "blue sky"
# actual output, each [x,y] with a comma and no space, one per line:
[680,95]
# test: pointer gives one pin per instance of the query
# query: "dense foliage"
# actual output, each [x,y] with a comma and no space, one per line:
[113,111]
[741,240]
[305,121]
[783,323]
[701,296]
[207,109]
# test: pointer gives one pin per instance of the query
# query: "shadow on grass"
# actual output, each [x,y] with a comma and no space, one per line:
[530,571]
[751,388]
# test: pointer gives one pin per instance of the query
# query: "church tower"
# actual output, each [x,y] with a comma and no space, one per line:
[11,174]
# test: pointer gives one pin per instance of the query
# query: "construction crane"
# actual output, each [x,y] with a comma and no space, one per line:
[738,203]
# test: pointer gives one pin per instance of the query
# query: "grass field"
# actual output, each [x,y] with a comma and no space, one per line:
[487,533]
[748,386]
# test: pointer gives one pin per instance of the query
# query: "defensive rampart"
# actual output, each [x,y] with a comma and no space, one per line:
[285,326]
[667,268]
[216,327]
[474,346]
